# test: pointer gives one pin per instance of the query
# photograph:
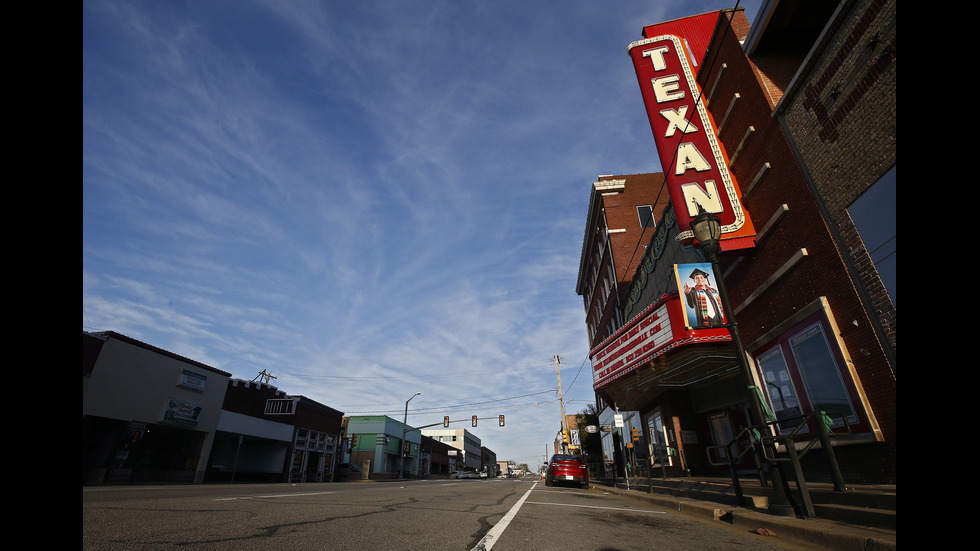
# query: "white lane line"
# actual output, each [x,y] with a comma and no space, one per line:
[494,534]
[596,507]
[271,496]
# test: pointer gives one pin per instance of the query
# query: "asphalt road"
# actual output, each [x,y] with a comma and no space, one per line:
[431,515]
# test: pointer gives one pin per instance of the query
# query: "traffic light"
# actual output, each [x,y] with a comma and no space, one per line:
[473,420]
[636,435]
[408,448]
[445,421]
[564,436]
[353,441]
[500,420]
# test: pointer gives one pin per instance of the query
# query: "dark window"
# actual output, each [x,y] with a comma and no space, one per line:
[646,216]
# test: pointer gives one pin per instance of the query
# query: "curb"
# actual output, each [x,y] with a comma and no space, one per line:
[818,532]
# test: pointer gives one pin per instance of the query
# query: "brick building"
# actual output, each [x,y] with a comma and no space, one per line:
[622,216]
[254,434]
[785,99]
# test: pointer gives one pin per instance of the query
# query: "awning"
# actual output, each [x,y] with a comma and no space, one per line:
[685,368]
[656,351]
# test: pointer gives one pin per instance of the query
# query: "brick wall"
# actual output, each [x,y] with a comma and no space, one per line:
[844,116]
[847,164]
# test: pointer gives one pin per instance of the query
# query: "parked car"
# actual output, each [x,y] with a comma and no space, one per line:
[567,468]
[464,474]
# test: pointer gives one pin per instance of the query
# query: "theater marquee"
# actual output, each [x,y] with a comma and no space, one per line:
[694,162]
[659,328]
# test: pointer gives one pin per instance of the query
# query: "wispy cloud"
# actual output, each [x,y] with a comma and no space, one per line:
[366,199]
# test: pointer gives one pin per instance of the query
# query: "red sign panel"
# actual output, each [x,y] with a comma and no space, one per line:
[694,162]
[659,328]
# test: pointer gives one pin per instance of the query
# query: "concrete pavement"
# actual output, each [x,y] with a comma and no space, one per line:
[821,532]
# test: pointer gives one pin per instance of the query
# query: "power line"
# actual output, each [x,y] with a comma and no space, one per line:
[415,413]
[520,368]
[467,405]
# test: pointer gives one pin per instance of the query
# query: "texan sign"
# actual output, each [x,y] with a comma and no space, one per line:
[694,162]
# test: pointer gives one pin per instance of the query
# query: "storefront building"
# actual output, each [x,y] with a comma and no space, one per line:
[813,338]
[316,437]
[435,457]
[383,441]
[152,416]
[467,447]
[148,415]
[253,438]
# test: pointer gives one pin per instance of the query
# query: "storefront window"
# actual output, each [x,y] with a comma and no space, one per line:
[820,373]
[782,393]
[721,433]
[658,439]
[802,375]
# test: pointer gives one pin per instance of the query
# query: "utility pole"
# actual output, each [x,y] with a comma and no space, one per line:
[564,422]
[265,375]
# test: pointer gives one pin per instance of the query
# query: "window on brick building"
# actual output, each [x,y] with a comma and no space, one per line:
[285,406]
[802,372]
[645,212]
[875,216]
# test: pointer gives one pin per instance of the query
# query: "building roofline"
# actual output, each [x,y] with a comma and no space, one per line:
[106,335]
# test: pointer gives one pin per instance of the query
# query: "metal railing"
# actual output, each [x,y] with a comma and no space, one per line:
[733,459]
[765,447]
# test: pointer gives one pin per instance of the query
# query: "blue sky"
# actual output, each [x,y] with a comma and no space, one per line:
[365,199]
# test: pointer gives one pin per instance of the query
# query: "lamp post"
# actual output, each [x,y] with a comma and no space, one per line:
[707,231]
[401,469]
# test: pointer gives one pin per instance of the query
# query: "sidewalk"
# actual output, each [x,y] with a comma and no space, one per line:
[827,534]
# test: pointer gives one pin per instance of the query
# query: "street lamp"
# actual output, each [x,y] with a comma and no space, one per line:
[401,469]
[707,231]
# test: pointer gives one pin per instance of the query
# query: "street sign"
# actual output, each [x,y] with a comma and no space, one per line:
[618,418]
[591,429]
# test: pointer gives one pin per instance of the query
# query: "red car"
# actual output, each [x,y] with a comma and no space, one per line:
[567,468]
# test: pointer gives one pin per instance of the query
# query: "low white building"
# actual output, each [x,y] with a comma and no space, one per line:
[148,415]
[468,446]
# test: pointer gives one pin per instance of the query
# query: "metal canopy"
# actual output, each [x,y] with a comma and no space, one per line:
[686,368]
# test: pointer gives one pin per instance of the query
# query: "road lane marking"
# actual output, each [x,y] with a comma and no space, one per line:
[272,496]
[494,534]
[597,507]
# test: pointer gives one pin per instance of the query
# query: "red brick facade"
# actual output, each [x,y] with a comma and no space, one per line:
[830,158]
[807,128]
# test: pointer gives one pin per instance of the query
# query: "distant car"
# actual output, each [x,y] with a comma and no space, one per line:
[566,468]
[464,474]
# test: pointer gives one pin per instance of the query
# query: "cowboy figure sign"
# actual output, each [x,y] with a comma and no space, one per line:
[704,305]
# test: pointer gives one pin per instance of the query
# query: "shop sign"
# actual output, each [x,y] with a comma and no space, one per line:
[181,412]
[694,162]
[191,380]
[639,339]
